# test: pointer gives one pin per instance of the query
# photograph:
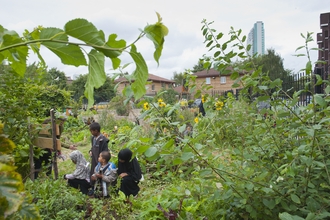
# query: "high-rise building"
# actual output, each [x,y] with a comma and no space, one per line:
[323,42]
[256,38]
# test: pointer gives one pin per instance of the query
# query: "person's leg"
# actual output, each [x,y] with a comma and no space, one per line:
[47,159]
[73,183]
[84,187]
[129,187]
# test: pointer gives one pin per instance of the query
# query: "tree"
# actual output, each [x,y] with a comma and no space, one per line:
[272,64]
[104,93]
[169,96]
[178,78]
[198,67]
[56,77]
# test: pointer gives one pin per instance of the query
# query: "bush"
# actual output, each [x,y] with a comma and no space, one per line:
[56,200]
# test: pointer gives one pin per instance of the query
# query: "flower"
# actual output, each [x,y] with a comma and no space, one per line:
[160,100]
[279,179]
[203,99]
[218,105]
[161,104]
[196,120]
[146,106]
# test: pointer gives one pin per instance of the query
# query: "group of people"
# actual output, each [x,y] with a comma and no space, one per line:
[101,174]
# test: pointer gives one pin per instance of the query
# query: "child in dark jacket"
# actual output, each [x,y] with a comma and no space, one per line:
[105,174]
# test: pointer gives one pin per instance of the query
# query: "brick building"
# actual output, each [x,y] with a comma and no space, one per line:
[323,42]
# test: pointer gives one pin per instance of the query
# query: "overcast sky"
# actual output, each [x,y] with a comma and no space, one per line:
[284,21]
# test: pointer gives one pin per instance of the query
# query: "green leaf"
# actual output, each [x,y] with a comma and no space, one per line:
[68,53]
[168,144]
[234,76]
[151,152]
[142,149]
[140,74]
[269,203]
[16,55]
[308,67]
[295,198]
[206,172]
[85,31]
[10,187]
[187,155]
[320,100]
[182,128]
[287,216]
[96,76]
[156,34]
[177,161]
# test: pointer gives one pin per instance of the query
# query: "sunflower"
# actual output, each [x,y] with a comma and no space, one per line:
[161,104]
[196,120]
[146,106]
[203,99]
[218,105]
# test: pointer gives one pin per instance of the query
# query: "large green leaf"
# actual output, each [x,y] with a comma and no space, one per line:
[88,33]
[156,33]
[140,74]
[10,187]
[16,55]
[68,53]
[96,76]
[85,31]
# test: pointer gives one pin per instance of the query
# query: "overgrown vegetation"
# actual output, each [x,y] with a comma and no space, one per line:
[237,162]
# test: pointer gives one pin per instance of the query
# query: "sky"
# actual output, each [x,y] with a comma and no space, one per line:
[284,22]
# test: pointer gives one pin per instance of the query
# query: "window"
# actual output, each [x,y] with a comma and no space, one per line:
[163,85]
[222,79]
[208,81]
[153,87]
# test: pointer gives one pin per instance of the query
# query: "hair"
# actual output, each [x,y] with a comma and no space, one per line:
[106,155]
[95,127]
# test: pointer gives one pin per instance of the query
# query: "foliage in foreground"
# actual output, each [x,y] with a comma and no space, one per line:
[14,202]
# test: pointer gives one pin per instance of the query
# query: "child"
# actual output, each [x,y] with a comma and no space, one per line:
[129,171]
[80,177]
[99,144]
[105,173]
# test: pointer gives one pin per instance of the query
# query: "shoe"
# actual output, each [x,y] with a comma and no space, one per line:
[90,192]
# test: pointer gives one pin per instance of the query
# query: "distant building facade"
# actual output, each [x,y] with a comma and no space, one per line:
[256,38]
[323,42]
[154,84]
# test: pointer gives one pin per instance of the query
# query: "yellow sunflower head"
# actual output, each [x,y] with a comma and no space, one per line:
[196,120]
[218,105]
[146,106]
[161,104]
[203,99]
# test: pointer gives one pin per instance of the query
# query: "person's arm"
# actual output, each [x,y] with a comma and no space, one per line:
[104,144]
[78,171]
[111,177]
[136,170]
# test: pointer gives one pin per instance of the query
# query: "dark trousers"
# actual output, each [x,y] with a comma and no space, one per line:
[43,162]
[128,186]
[83,185]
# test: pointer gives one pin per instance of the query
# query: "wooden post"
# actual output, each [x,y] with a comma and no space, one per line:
[54,162]
[31,158]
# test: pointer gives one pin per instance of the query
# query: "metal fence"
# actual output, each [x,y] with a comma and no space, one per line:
[290,84]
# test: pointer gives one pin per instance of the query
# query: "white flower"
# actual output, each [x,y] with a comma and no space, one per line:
[279,179]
